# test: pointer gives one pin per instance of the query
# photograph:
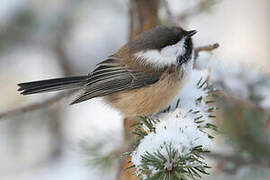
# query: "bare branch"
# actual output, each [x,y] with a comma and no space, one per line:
[238,100]
[35,106]
[205,48]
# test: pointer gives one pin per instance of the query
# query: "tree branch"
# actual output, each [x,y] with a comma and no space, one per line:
[203,48]
[124,162]
[247,102]
[35,106]
[143,16]
[210,47]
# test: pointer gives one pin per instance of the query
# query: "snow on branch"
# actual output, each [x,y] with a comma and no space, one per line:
[171,144]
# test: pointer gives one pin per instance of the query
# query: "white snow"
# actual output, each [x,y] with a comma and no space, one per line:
[238,80]
[175,129]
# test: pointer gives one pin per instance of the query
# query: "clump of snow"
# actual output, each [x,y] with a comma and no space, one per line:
[176,129]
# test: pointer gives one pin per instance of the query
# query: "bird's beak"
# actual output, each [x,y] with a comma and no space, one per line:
[191,33]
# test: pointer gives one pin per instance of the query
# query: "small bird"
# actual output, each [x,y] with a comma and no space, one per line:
[141,78]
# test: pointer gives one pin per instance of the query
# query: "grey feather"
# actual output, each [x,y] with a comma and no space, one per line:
[111,76]
[51,85]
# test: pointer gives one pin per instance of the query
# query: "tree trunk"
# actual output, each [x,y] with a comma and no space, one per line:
[143,17]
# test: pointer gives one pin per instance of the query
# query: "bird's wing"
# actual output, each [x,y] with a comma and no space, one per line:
[111,76]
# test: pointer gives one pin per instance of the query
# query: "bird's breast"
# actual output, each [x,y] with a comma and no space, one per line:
[150,99]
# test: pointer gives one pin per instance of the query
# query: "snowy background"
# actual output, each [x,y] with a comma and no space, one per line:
[44,144]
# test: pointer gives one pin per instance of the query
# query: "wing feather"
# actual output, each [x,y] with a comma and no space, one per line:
[111,76]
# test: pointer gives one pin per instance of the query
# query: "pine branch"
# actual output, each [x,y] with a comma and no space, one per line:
[172,165]
[171,145]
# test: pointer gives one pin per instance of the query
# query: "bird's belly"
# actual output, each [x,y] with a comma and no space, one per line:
[147,100]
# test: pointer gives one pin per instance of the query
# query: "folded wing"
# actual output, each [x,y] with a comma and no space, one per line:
[111,76]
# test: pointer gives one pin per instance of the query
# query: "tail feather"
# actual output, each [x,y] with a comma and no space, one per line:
[51,85]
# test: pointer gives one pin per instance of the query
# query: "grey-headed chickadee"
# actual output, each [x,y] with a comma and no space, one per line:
[142,78]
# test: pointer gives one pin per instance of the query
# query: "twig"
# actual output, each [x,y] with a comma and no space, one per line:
[247,102]
[35,106]
[210,47]
[203,48]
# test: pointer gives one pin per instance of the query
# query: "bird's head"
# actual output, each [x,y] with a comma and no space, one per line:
[163,46]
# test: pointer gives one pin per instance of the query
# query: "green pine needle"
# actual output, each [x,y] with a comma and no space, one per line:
[172,166]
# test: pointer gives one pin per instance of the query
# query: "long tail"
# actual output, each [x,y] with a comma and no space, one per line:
[51,85]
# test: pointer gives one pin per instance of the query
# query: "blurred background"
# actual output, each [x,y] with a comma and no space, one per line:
[42,39]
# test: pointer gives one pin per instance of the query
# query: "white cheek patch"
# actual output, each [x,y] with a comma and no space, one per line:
[164,57]
[155,58]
